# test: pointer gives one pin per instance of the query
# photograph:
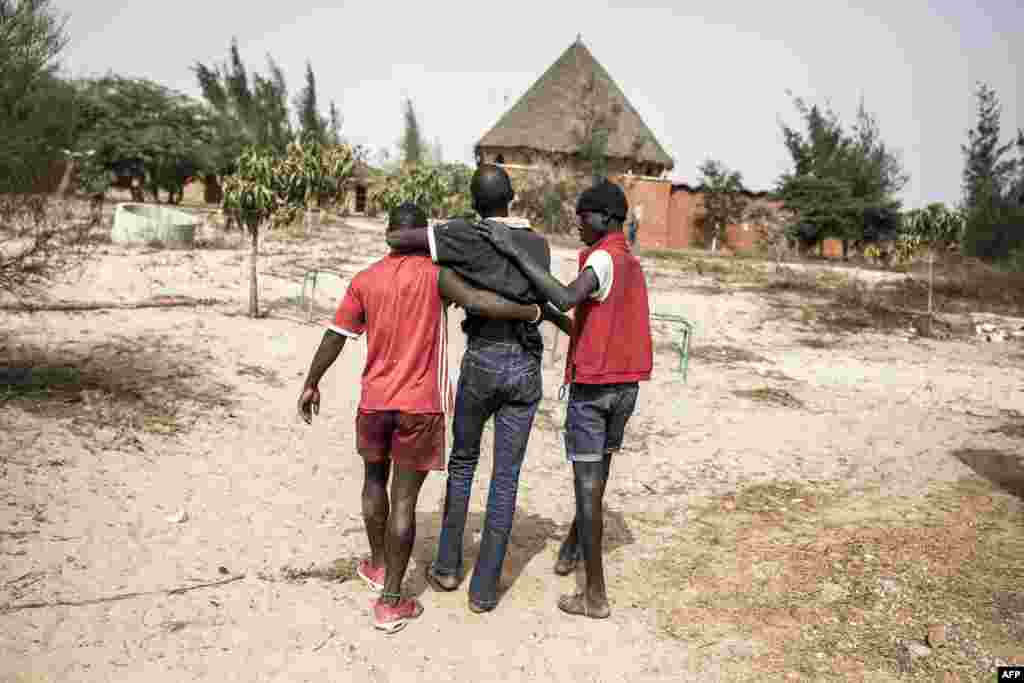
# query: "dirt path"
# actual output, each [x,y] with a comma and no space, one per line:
[173,457]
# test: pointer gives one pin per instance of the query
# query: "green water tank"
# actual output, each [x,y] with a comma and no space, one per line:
[145,223]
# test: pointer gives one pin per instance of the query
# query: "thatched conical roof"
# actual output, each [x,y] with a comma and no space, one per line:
[549,118]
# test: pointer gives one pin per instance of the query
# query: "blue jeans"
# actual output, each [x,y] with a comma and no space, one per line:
[503,380]
[595,419]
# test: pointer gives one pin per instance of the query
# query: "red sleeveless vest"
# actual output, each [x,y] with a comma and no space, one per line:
[611,340]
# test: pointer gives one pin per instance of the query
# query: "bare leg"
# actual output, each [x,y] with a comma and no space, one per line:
[376,508]
[401,529]
[590,480]
[571,550]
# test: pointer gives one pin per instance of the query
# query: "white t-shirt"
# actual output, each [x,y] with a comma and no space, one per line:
[601,262]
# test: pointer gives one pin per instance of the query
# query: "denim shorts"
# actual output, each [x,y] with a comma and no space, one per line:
[595,420]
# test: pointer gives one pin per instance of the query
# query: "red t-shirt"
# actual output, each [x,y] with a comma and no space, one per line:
[396,302]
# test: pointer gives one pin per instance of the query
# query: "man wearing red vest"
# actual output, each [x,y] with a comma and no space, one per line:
[609,354]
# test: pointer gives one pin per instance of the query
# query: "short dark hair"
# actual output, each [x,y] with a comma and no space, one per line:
[604,197]
[407,215]
[491,188]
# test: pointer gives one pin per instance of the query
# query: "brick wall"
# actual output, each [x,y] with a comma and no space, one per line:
[649,200]
[831,248]
[686,209]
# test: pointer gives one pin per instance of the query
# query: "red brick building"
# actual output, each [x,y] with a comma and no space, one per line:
[670,216]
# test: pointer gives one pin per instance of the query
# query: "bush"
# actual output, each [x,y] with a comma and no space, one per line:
[41,239]
[995,234]
[549,203]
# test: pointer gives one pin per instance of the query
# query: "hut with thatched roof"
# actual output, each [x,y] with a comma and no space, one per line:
[548,126]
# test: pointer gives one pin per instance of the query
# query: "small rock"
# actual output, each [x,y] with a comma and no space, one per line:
[180,517]
[907,652]
[918,650]
[936,635]
[888,586]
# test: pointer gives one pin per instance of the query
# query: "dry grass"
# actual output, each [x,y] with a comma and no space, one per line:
[724,355]
[839,301]
[822,584]
[340,570]
[771,396]
[847,304]
[817,343]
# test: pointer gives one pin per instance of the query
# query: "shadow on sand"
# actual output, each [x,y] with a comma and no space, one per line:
[531,534]
[1002,468]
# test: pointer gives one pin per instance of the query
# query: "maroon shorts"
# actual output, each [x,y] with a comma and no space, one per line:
[410,440]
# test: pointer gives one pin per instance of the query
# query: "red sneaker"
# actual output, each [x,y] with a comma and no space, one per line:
[393,618]
[373,576]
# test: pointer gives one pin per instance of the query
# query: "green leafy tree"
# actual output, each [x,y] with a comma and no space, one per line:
[38,110]
[251,111]
[458,201]
[724,200]
[412,144]
[269,190]
[334,125]
[423,185]
[843,183]
[311,123]
[987,171]
[160,135]
[932,229]
[993,186]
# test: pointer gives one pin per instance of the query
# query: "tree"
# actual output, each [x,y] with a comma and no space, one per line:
[311,124]
[843,184]
[932,228]
[412,144]
[598,121]
[993,186]
[423,185]
[270,190]
[458,201]
[724,200]
[249,112]
[37,109]
[141,128]
[334,125]
[774,228]
[987,174]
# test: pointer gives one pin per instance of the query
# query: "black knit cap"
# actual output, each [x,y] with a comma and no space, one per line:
[605,197]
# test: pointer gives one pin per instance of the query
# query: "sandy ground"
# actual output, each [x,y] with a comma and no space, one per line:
[90,511]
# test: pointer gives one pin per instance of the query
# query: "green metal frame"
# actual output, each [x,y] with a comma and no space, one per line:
[311,277]
[683,344]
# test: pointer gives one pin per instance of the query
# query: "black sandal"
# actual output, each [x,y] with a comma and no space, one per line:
[436,581]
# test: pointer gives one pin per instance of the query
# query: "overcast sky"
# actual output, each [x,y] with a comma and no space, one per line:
[710,79]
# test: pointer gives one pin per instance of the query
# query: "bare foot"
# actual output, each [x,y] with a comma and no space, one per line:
[579,605]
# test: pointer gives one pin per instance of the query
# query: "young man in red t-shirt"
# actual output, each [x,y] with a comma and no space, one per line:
[397,302]
[609,354]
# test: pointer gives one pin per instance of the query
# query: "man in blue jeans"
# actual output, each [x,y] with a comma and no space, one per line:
[500,377]
[610,353]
